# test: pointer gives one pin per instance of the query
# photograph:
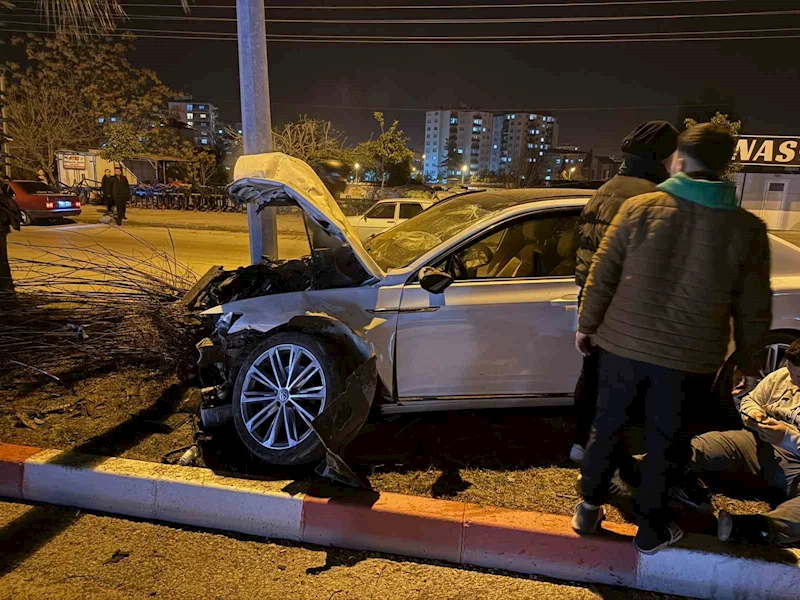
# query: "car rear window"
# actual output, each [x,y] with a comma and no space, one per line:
[34,187]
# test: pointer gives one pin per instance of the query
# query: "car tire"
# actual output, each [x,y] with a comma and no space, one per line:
[310,448]
[26,218]
[726,413]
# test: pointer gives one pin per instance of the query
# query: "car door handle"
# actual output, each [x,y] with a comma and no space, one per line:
[566,301]
[390,222]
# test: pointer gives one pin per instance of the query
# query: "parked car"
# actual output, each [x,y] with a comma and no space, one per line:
[386,214]
[470,304]
[38,201]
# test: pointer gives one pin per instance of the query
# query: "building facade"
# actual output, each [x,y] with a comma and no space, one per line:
[518,138]
[200,117]
[455,139]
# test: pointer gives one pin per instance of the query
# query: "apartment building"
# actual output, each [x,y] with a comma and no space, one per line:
[198,116]
[521,137]
[467,132]
[487,141]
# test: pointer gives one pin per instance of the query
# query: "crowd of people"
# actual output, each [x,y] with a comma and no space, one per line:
[668,263]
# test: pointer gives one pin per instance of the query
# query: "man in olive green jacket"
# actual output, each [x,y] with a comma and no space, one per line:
[672,271]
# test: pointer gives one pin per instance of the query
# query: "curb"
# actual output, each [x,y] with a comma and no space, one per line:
[497,538]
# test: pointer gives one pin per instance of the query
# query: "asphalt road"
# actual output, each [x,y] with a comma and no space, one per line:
[60,553]
[195,248]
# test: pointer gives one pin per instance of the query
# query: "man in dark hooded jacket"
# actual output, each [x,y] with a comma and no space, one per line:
[647,150]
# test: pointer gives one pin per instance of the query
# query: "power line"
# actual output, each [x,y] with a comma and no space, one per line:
[464,39]
[465,21]
[413,40]
[432,6]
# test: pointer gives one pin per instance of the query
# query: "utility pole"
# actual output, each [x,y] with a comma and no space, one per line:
[256,121]
[4,157]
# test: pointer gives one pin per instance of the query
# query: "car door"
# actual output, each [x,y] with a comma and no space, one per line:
[505,326]
[379,218]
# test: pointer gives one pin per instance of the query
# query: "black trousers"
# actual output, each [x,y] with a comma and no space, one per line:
[122,204]
[109,202]
[664,394]
[586,399]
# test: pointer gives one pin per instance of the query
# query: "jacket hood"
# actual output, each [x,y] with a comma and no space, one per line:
[275,179]
[712,194]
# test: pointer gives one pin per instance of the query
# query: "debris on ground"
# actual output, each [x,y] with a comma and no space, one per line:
[119,555]
[25,421]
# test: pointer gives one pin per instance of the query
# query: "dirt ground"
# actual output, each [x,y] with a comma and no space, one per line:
[64,554]
[514,459]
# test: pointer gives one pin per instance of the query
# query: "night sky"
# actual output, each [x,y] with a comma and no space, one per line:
[345,82]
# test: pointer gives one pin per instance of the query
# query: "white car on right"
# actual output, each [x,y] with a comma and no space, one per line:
[386,214]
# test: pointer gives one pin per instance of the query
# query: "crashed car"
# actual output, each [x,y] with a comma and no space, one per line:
[470,304]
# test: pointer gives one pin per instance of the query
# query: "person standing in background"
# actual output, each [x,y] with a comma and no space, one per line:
[106,186]
[647,150]
[121,192]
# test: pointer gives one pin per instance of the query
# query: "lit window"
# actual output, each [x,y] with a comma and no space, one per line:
[495,146]
[453,120]
[203,116]
[219,131]
[461,151]
[532,117]
[530,160]
[541,153]
[189,116]
[101,120]
[189,107]
[530,146]
[513,116]
[240,131]
[201,107]
[484,130]
[558,161]
[547,178]
[203,140]
[542,140]
[113,119]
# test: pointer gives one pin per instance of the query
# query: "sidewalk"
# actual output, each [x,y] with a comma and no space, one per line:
[455,532]
[289,225]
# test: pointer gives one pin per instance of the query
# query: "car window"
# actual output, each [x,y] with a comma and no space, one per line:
[381,211]
[409,209]
[34,187]
[543,246]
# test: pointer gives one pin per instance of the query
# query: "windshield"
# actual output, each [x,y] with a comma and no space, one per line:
[34,187]
[405,243]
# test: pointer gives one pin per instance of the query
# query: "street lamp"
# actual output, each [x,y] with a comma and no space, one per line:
[463,173]
[356,167]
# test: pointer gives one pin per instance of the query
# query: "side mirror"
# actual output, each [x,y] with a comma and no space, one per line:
[434,280]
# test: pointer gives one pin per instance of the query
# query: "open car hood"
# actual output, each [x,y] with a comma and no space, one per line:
[275,179]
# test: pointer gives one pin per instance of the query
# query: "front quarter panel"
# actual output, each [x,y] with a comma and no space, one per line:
[350,306]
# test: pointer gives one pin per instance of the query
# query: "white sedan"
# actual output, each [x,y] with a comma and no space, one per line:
[386,214]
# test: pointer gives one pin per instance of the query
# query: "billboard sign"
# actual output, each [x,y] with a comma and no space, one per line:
[74,161]
[767,150]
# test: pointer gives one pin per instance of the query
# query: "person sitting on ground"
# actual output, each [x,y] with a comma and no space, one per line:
[764,457]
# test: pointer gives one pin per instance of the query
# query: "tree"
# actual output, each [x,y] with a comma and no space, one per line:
[391,149]
[71,91]
[734,127]
[122,143]
[453,159]
[311,140]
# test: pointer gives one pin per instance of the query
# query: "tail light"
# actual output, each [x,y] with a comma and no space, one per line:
[77,204]
[49,204]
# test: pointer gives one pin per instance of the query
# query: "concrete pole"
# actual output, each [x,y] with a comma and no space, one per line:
[256,121]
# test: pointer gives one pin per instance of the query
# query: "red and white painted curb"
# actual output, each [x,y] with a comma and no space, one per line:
[525,542]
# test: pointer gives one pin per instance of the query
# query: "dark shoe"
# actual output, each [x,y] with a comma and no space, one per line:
[694,493]
[650,541]
[119,222]
[742,528]
[586,521]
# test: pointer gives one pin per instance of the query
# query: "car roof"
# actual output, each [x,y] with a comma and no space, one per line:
[532,194]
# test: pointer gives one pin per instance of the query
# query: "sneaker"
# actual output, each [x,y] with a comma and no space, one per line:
[586,521]
[649,541]
[692,492]
[576,453]
[742,528]
[619,488]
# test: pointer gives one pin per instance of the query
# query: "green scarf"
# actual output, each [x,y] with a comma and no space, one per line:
[713,194]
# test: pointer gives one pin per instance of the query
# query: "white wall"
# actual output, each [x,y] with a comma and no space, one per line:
[778,211]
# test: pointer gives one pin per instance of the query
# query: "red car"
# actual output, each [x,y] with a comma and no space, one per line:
[38,200]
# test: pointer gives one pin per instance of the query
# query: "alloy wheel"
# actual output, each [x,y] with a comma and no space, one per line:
[283,391]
